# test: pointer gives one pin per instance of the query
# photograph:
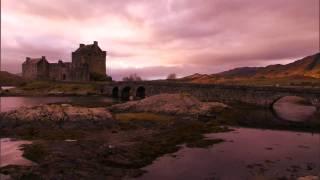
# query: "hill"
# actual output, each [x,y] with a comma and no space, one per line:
[306,70]
[8,79]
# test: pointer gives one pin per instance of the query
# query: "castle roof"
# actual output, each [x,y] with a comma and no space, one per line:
[89,48]
[35,60]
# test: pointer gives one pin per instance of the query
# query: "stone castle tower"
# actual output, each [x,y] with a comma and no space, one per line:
[88,63]
[92,56]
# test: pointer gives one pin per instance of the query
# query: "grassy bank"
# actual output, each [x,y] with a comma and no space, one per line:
[56,88]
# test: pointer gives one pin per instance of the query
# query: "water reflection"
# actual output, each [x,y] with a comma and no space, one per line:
[11,153]
[247,153]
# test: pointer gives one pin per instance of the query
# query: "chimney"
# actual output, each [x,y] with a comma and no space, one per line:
[95,43]
[81,45]
[27,58]
[43,57]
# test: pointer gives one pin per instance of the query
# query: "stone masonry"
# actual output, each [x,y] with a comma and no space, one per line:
[88,63]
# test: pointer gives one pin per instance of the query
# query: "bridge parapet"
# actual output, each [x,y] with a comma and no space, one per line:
[263,95]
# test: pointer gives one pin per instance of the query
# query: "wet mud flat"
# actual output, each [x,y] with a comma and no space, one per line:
[112,152]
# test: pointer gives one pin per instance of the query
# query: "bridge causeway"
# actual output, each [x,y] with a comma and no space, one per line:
[262,95]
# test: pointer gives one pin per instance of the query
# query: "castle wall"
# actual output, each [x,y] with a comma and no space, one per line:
[43,70]
[29,71]
[88,63]
[96,62]
[37,70]
[60,71]
[80,73]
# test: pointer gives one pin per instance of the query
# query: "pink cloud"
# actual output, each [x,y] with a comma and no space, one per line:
[156,37]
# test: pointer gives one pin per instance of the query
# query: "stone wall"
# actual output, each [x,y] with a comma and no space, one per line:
[80,73]
[88,63]
[93,57]
[29,71]
[263,96]
[35,68]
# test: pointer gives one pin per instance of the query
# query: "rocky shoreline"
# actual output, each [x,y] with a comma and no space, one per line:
[98,142]
[113,142]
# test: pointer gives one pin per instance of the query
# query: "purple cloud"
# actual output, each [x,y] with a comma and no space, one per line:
[155,38]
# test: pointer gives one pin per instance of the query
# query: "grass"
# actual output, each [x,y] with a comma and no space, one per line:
[133,121]
[51,134]
[8,79]
[143,117]
[286,81]
[33,131]
[59,86]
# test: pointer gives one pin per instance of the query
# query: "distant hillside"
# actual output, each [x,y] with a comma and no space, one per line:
[307,68]
[8,79]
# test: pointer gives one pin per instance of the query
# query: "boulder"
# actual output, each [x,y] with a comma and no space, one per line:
[54,114]
[173,104]
[293,108]
[309,178]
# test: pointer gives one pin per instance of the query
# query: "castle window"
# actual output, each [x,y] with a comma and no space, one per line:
[63,77]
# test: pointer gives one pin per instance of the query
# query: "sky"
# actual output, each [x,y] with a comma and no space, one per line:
[154,38]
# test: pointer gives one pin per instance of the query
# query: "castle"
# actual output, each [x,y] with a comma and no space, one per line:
[88,63]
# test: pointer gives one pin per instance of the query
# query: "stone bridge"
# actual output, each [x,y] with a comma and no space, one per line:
[263,96]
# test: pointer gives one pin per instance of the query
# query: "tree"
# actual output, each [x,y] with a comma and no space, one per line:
[132,77]
[100,77]
[172,76]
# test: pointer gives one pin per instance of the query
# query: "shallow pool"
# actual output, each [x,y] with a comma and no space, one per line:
[246,154]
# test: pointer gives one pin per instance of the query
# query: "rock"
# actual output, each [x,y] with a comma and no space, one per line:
[309,178]
[293,108]
[174,104]
[56,114]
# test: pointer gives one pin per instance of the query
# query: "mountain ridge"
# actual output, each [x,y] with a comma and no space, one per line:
[9,79]
[308,67]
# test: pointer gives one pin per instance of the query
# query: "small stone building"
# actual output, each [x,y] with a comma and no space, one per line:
[88,63]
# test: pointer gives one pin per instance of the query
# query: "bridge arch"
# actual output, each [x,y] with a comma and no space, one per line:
[115,92]
[276,99]
[141,92]
[261,96]
[125,93]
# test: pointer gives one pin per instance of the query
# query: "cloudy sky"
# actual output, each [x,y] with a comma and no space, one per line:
[156,37]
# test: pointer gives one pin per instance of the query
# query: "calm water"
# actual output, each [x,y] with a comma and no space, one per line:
[7,87]
[11,152]
[11,103]
[246,154]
